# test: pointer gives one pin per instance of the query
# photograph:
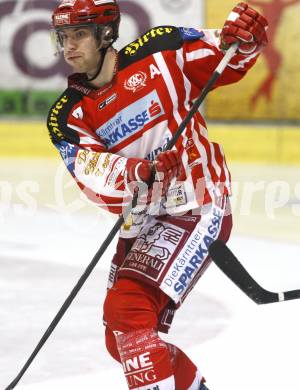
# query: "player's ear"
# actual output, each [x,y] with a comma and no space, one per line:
[106,36]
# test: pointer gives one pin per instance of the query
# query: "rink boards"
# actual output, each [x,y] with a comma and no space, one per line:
[242,143]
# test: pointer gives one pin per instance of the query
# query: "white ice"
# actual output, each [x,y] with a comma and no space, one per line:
[236,344]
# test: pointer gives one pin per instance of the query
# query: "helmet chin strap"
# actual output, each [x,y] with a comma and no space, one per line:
[103,52]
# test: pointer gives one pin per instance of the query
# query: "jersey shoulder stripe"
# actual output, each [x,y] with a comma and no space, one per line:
[57,121]
[153,41]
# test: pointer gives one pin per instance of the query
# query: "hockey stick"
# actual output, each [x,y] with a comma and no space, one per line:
[216,74]
[229,264]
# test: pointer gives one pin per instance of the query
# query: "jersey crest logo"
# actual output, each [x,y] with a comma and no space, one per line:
[136,82]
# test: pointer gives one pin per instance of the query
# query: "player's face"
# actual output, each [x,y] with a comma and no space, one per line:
[81,50]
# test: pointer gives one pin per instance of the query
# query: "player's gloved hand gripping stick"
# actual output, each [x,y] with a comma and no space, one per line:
[216,74]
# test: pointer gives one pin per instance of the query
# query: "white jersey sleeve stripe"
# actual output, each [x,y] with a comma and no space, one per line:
[169,84]
[241,63]
[187,84]
[215,166]
[226,172]
[203,131]
[199,54]
[85,140]
[209,183]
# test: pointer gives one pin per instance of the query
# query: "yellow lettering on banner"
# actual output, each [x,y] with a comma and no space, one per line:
[106,161]
[146,37]
[91,160]
[168,30]
[82,157]
[133,47]
[153,33]
[57,132]
[53,117]
[160,31]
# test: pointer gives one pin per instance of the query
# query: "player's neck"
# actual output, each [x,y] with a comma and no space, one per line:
[108,69]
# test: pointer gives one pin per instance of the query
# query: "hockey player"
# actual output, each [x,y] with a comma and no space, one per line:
[111,126]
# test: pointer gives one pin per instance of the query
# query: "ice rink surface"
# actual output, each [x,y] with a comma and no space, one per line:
[48,236]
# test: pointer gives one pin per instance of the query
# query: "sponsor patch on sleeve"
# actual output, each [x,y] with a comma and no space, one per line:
[68,153]
[190,34]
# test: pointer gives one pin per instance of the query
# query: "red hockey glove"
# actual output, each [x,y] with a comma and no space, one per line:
[138,170]
[246,26]
[167,166]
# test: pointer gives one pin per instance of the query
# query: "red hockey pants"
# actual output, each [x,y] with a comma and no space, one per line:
[132,310]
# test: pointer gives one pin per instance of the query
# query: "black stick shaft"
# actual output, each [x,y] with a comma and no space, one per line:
[233,269]
[219,70]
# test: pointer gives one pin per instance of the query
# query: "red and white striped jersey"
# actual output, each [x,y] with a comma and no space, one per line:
[159,75]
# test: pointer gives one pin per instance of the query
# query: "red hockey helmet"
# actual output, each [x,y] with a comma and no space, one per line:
[99,13]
